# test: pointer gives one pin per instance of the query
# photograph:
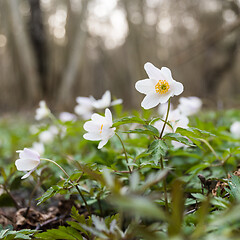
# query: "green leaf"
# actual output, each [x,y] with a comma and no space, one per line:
[62,232]
[154,178]
[7,234]
[194,133]
[152,129]
[130,119]
[138,206]
[141,131]
[48,194]
[177,137]
[2,171]
[158,148]
[234,184]
[177,206]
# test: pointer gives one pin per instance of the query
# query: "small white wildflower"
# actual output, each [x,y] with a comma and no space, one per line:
[43,111]
[67,117]
[28,161]
[46,137]
[189,105]
[84,108]
[159,87]
[105,101]
[235,129]
[99,128]
[175,119]
[38,147]
[162,109]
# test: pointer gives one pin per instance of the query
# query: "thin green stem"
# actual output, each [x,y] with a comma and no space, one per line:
[31,197]
[124,150]
[210,147]
[76,186]
[164,186]
[165,122]
[49,160]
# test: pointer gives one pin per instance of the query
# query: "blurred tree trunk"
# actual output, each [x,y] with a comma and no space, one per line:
[38,38]
[132,58]
[74,60]
[25,55]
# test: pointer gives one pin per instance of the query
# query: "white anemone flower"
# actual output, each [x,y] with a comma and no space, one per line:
[38,147]
[189,105]
[28,161]
[48,135]
[84,107]
[67,117]
[175,119]
[159,87]
[105,101]
[99,128]
[162,109]
[235,129]
[43,111]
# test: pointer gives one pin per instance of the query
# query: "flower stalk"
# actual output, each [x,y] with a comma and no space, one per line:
[165,122]
[79,191]
[164,186]
[125,153]
[161,159]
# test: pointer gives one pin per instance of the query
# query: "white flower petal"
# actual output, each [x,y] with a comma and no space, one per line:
[162,109]
[146,86]
[84,100]
[92,126]
[39,147]
[235,129]
[104,102]
[116,102]
[150,101]
[102,143]
[164,97]
[29,154]
[167,73]
[107,132]
[177,88]
[26,164]
[107,96]
[108,116]
[97,118]
[67,117]
[153,72]
[92,136]
[189,105]
[27,174]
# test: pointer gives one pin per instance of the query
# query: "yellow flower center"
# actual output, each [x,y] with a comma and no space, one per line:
[101,128]
[162,87]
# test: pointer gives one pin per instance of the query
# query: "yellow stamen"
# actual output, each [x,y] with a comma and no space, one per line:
[101,128]
[162,87]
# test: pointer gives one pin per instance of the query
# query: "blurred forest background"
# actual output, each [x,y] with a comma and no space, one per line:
[60,49]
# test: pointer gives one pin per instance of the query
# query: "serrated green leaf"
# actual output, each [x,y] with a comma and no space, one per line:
[142,155]
[130,119]
[152,129]
[158,148]
[62,232]
[141,131]
[48,194]
[194,132]
[178,137]
[77,226]
[234,184]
